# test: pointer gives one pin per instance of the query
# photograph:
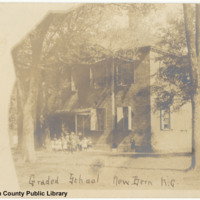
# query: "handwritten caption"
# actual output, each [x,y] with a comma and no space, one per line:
[74,179]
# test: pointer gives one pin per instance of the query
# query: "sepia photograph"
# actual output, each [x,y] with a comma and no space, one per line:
[100,100]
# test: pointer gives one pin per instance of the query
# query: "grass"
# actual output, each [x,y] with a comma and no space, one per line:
[107,165]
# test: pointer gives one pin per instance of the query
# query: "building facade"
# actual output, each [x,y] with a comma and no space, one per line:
[111,102]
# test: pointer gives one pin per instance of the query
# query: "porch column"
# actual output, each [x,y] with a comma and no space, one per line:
[113,95]
[76,124]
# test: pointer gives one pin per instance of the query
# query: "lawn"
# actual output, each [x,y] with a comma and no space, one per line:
[104,170]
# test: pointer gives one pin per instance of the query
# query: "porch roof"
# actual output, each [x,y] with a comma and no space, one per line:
[82,111]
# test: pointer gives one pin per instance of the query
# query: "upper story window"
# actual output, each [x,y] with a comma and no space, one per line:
[124,73]
[98,76]
[72,83]
[93,83]
[165,119]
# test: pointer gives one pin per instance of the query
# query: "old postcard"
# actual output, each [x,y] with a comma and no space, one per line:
[99,100]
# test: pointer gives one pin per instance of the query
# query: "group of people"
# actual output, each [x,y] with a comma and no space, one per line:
[70,142]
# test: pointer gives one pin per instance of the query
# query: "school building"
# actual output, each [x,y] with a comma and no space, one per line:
[111,101]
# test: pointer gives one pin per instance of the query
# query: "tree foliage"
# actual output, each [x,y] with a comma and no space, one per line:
[173,86]
[85,35]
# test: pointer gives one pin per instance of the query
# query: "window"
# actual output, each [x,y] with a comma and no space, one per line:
[165,119]
[98,119]
[98,76]
[92,81]
[73,86]
[124,73]
[124,118]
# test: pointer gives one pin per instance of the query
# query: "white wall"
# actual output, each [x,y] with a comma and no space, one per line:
[179,137]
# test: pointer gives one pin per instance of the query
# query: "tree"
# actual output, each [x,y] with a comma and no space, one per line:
[192,32]
[179,78]
[29,92]
[173,85]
